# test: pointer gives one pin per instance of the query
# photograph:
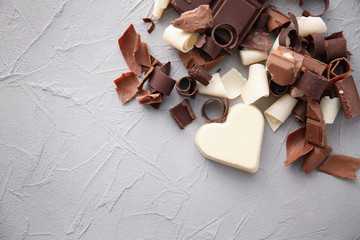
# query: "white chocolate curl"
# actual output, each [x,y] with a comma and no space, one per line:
[330,108]
[311,25]
[214,88]
[179,39]
[257,85]
[159,7]
[251,56]
[279,111]
[233,83]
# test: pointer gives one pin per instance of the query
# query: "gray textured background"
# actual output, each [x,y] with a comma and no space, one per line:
[77,164]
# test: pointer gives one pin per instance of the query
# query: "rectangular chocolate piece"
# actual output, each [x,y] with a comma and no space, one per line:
[316,132]
[349,97]
[240,15]
[185,5]
[314,65]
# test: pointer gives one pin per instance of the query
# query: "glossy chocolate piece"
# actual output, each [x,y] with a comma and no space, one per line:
[209,47]
[314,65]
[297,146]
[277,20]
[349,97]
[315,124]
[341,166]
[262,21]
[183,114]
[311,84]
[197,20]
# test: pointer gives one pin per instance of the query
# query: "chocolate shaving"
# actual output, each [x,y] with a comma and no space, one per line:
[277,90]
[197,20]
[312,85]
[210,47]
[195,57]
[152,27]
[297,146]
[257,39]
[161,81]
[141,53]
[336,48]
[341,166]
[334,75]
[277,20]
[349,97]
[306,13]
[127,44]
[317,46]
[126,86]
[187,87]
[146,97]
[144,79]
[224,108]
[183,114]
[295,41]
[315,158]
[200,74]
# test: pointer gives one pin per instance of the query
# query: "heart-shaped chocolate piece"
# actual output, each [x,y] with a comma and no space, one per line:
[237,141]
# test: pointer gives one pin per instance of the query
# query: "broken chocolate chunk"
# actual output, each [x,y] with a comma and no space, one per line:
[126,86]
[257,39]
[200,74]
[314,65]
[341,166]
[197,20]
[186,5]
[311,84]
[183,114]
[299,111]
[315,158]
[315,124]
[349,97]
[277,19]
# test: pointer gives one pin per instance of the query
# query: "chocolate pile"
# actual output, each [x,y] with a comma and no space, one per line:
[306,68]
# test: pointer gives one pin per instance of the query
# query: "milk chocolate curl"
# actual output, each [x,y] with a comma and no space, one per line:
[161,81]
[127,45]
[126,86]
[141,53]
[146,97]
[224,108]
[297,146]
[262,21]
[314,65]
[210,47]
[200,74]
[145,78]
[183,114]
[277,19]
[152,27]
[299,111]
[315,158]
[276,89]
[195,57]
[349,97]
[341,166]
[337,69]
[311,84]
[197,20]
[187,87]
[317,47]
[258,40]
[306,13]
[186,5]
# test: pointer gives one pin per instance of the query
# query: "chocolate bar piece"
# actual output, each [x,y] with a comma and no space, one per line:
[297,146]
[315,158]
[239,16]
[186,5]
[315,124]
[311,84]
[197,20]
[257,39]
[299,111]
[349,97]
[314,65]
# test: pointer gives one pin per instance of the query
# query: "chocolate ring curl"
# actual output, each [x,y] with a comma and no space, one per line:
[230,31]
[161,81]
[224,106]
[332,76]
[187,87]
[317,46]
[152,27]
[207,44]
[276,89]
[306,13]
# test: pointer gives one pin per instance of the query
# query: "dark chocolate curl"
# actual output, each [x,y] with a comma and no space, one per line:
[297,146]
[200,74]
[312,85]
[336,48]
[277,90]
[161,81]
[341,166]
[317,47]
[210,47]
[262,21]
[306,13]
[187,87]
[277,19]
[224,108]
[183,114]
[315,158]
[257,39]
[195,56]
[349,97]
[152,27]
[337,69]
[299,111]
[295,41]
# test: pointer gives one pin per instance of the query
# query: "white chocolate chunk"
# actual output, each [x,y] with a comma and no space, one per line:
[159,7]
[279,111]
[251,56]
[234,83]
[277,44]
[257,85]
[311,25]
[214,88]
[330,108]
[179,39]
[236,142]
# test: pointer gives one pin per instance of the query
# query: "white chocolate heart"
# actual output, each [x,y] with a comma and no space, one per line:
[237,141]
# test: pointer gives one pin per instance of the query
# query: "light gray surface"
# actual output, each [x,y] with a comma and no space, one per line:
[77,164]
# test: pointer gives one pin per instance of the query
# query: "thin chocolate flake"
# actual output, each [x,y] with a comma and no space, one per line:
[224,108]
[257,39]
[297,146]
[315,158]
[210,47]
[187,87]
[183,114]
[146,97]
[161,81]
[201,41]
[141,53]
[317,46]
[152,27]
[126,86]
[341,166]
[127,45]
[144,79]
[306,13]
[295,41]
[349,97]
[277,20]
[195,56]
